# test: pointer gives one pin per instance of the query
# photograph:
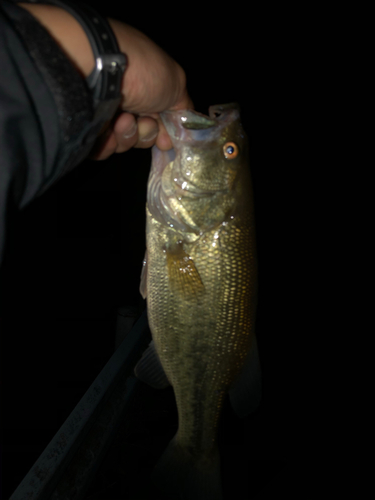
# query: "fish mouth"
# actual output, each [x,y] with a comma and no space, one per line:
[166,191]
[189,125]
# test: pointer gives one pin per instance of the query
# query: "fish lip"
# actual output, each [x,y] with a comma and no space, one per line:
[186,119]
[189,125]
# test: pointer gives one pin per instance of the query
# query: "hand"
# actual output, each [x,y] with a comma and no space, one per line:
[153,82]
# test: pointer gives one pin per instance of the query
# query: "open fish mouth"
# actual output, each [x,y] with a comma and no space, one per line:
[169,184]
[189,125]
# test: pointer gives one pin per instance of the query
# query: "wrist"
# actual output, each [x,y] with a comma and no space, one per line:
[68,34]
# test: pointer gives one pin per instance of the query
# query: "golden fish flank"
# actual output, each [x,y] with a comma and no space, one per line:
[200,283]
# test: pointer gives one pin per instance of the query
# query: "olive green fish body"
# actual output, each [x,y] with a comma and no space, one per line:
[201,277]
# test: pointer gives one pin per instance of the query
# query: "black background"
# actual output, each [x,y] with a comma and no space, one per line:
[74,255]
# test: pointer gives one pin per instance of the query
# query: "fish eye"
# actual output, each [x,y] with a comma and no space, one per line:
[230,150]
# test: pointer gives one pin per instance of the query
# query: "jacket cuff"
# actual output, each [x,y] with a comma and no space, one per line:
[69,90]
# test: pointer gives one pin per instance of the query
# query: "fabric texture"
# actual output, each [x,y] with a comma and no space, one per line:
[46,112]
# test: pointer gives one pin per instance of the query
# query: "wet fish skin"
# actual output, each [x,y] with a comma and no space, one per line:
[200,282]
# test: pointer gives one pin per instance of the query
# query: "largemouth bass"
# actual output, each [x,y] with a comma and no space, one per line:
[200,281]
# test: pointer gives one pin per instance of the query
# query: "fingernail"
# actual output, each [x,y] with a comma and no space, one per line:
[131,132]
[150,136]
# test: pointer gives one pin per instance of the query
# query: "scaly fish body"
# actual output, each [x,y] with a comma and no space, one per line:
[200,278]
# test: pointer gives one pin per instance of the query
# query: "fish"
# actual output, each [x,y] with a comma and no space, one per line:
[199,278]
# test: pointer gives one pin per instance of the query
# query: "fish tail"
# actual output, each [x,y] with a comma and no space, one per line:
[181,476]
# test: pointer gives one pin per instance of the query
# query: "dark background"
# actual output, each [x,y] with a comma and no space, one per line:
[75,254]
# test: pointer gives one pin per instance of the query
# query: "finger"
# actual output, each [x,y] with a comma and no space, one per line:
[104,147]
[184,103]
[117,139]
[163,140]
[148,130]
[126,132]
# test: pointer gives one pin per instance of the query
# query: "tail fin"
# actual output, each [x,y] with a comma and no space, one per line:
[180,476]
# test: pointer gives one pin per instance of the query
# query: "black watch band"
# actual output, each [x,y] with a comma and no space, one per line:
[106,79]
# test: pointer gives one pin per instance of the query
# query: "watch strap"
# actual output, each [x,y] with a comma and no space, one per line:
[106,79]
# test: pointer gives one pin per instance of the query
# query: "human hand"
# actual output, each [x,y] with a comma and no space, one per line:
[153,82]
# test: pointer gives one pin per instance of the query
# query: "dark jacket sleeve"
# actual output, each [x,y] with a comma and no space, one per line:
[46,125]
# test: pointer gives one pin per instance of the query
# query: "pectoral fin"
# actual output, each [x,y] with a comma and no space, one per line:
[183,275]
[246,391]
[149,369]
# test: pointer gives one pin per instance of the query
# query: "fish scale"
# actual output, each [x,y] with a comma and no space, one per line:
[221,316]
[201,285]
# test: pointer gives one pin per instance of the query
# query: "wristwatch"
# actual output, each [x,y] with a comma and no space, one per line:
[105,80]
